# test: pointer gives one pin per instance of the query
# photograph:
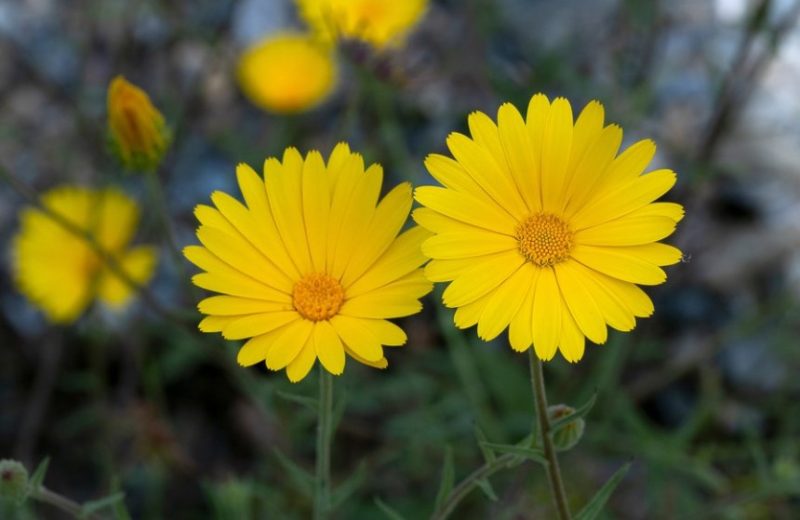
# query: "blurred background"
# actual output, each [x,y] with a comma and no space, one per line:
[700,397]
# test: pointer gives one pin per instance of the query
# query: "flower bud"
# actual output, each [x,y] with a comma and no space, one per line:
[569,435]
[139,135]
[13,481]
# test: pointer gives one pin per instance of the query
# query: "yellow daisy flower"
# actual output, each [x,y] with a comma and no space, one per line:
[543,228]
[287,73]
[380,23]
[311,266]
[138,131]
[59,272]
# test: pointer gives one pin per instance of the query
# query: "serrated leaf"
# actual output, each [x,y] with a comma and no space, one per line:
[598,501]
[37,479]
[528,453]
[579,413]
[488,454]
[306,401]
[487,489]
[92,506]
[302,480]
[349,486]
[390,513]
[448,478]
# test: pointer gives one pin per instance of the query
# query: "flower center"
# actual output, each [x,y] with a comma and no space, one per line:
[317,297]
[544,239]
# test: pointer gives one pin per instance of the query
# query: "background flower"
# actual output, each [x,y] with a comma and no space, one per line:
[380,23]
[543,229]
[312,266]
[287,73]
[138,132]
[59,272]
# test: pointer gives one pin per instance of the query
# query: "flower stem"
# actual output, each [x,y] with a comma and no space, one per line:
[553,470]
[322,483]
[469,483]
[74,509]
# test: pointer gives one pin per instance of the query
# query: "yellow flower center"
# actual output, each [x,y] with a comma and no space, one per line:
[544,239]
[318,297]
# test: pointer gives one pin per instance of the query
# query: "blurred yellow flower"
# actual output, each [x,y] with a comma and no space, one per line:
[138,132]
[287,73]
[542,228]
[311,266]
[380,23]
[59,272]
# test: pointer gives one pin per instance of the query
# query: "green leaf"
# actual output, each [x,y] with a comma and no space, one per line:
[595,505]
[390,513]
[306,401]
[487,489]
[448,478]
[302,480]
[579,413]
[528,453]
[488,454]
[92,506]
[37,479]
[349,486]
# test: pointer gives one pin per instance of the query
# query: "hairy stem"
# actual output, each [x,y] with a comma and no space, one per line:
[322,483]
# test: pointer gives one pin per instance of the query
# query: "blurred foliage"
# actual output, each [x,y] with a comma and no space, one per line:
[700,399]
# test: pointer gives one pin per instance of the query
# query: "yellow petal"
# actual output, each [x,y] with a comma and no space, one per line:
[329,348]
[572,339]
[225,279]
[402,257]
[580,302]
[255,349]
[619,263]
[466,208]
[556,146]
[285,195]
[257,324]
[520,330]
[138,263]
[358,337]
[387,221]
[234,305]
[484,169]
[505,302]
[452,175]
[516,145]
[588,171]
[316,208]
[634,299]
[465,245]
[481,278]
[626,231]
[624,198]
[302,364]
[614,311]
[669,210]
[546,317]
[288,344]
[630,163]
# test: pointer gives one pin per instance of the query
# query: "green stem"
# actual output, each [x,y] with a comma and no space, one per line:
[322,484]
[553,470]
[42,494]
[468,484]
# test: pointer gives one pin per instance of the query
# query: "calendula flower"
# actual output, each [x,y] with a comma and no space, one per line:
[380,23]
[59,272]
[138,132]
[542,228]
[287,73]
[311,266]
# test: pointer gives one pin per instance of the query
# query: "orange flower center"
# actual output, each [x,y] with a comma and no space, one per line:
[317,297]
[544,239]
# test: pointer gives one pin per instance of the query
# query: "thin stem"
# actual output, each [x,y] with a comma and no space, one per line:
[468,484]
[42,494]
[553,470]
[322,484]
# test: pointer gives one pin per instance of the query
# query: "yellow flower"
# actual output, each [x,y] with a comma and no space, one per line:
[311,266]
[59,272]
[544,229]
[138,132]
[380,23]
[287,73]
